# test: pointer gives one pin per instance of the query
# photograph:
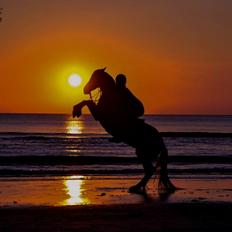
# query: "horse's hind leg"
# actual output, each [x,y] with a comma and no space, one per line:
[164,180]
[149,171]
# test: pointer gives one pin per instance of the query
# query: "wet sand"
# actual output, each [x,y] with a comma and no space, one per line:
[102,203]
[101,190]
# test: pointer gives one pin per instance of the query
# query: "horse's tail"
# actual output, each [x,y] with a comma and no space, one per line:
[162,172]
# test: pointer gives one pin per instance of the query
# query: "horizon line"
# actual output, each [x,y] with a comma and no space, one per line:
[148,114]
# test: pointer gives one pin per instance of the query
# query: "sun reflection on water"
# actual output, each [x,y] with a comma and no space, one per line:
[74,190]
[74,126]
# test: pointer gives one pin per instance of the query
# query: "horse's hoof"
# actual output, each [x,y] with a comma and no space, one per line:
[171,190]
[165,188]
[137,189]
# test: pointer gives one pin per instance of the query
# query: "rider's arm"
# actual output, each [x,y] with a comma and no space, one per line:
[135,105]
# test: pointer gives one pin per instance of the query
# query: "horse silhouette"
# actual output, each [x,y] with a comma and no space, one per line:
[118,121]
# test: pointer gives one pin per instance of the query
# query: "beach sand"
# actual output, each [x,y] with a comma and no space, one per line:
[132,217]
[102,203]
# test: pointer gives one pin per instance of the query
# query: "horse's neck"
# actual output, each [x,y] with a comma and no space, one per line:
[107,94]
[107,98]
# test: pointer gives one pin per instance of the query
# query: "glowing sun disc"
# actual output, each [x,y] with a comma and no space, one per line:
[74,80]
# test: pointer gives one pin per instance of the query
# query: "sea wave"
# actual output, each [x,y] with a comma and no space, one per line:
[92,160]
[42,154]
[102,171]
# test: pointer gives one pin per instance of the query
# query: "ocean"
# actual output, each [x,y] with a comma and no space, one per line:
[58,145]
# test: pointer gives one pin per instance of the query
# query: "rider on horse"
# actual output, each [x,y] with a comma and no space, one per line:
[118,114]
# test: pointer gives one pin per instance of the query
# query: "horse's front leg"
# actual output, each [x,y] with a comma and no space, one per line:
[94,109]
[77,109]
[90,104]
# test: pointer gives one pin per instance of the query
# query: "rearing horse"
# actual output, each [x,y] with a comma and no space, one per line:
[135,132]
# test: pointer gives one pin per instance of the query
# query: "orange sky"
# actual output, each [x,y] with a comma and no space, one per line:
[177,55]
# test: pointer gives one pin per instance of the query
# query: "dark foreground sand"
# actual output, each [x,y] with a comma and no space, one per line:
[139,217]
[102,203]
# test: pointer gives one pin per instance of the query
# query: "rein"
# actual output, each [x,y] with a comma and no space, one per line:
[95,97]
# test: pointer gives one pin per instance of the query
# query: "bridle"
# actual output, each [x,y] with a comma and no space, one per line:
[96,96]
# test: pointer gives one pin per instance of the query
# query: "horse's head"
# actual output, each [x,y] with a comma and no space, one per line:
[99,79]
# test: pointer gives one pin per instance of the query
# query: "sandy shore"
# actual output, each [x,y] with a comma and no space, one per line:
[102,190]
[134,217]
[102,203]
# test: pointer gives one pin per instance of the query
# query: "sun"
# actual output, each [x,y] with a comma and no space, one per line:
[74,80]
